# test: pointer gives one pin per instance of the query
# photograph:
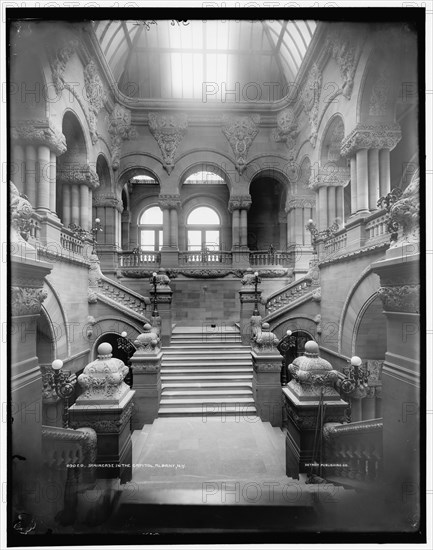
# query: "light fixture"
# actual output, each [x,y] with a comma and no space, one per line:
[356,376]
[155,312]
[63,383]
[97,227]
[256,312]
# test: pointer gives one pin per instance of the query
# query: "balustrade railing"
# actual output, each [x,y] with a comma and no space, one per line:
[200,258]
[123,295]
[140,258]
[353,452]
[289,294]
[336,243]
[376,227]
[266,258]
[71,243]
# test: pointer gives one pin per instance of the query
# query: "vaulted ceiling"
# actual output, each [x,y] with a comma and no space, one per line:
[237,60]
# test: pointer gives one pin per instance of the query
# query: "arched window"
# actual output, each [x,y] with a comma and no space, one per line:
[150,229]
[203,227]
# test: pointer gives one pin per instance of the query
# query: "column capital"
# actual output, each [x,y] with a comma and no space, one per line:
[168,202]
[300,202]
[240,202]
[74,174]
[39,132]
[335,177]
[108,199]
[371,136]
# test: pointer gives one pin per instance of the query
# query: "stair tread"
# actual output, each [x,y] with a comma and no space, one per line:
[165,393]
[188,376]
[199,385]
[224,399]
[199,410]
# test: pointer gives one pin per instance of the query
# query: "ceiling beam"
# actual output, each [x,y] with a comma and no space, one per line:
[277,57]
[280,38]
[128,38]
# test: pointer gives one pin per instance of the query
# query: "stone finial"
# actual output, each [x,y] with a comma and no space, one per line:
[312,370]
[147,342]
[103,379]
[266,341]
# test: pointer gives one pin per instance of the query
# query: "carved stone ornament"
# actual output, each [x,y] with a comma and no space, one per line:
[255,326]
[95,95]
[78,175]
[405,213]
[400,298]
[299,202]
[108,200]
[27,301]
[162,280]
[147,342]
[346,52]
[335,140]
[110,425]
[240,202]
[240,132]
[287,128]
[167,202]
[168,129]
[39,132]
[249,279]
[310,98]
[95,276]
[312,370]
[21,211]
[330,176]
[317,295]
[371,136]
[102,379]
[58,61]
[265,341]
[120,130]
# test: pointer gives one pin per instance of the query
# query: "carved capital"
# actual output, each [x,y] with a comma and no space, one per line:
[168,202]
[39,132]
[371,136]
[400,298]
[168,129]
[76,175]
[108,200]
[330,176]
[27,301]
[240,132]
[238,202]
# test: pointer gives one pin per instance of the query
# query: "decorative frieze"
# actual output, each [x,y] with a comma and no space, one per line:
[113,424]
[74,175]
[287,128]
[400,298]
[240,132]
[238,202]
[371,136]
[168,202]
[27,301]
[39,132]
[120,130]
[168,129]
[310,98]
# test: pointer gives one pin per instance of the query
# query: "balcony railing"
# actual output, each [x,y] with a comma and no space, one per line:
[208,258]
[266,258]
[376,226]
[336,243]
[141,258]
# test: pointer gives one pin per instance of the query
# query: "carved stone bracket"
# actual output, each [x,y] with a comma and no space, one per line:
[240,132]
[169,202]
[168,129]
[239,202]
[39,132]
[120,130]
[371,136]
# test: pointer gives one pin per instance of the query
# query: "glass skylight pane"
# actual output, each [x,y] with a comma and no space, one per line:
[198,75]
[203,178]
[223,35]
[234,33]
[187,75]
[221,68]
[176,75]
[197,34]
[151,216]
[203,216]
[210,28]
[166,77]
[175,39]
[143,178]
[211,67]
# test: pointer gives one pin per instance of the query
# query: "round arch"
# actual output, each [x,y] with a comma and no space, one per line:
[369,333]
[112,325]
[203,167]
[104,173]
[57,319]
[296,323]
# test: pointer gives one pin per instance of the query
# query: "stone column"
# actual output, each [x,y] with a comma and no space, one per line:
[244,228]
[290,239]
[353,186]
[323,208]
[169,251]
[75,204]
[266,378]
[373,179]
[126,220]
[371,143]
[235,230]
[339,203]
[84,207]
[174,225]
[44,187]
[53,189]
[66,214]
[332,210]
[241,254]
[18,168]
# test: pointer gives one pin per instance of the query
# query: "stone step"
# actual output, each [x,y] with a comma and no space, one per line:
[207,401]
[197,394]
[205,351]
[208,365]
[205,370]
[226,377]
[197,386]
[226,410]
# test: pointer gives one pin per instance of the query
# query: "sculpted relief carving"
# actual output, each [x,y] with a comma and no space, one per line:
[240,132]
[168,129]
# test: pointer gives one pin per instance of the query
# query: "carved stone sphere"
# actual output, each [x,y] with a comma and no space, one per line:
[105,349]
[311,347]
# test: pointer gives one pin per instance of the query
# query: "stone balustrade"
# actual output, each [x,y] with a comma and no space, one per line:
[211,257]
[140,258]
[123,296]
[289,294]
[376,226]
[353,452]
[71,243]
[266,258]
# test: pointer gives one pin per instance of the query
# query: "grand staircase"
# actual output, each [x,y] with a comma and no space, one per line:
[206,371]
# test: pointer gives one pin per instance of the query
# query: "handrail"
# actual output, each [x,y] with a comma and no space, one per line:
[264,257]
[132,258]
[291,292]
[122,295]
[200,257]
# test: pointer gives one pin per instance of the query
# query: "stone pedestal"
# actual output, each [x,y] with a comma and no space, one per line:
[146,369]
[106,406]
[112,424]
[246,296]
[267,387]
[164,296]
[312,383]
[50,231]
